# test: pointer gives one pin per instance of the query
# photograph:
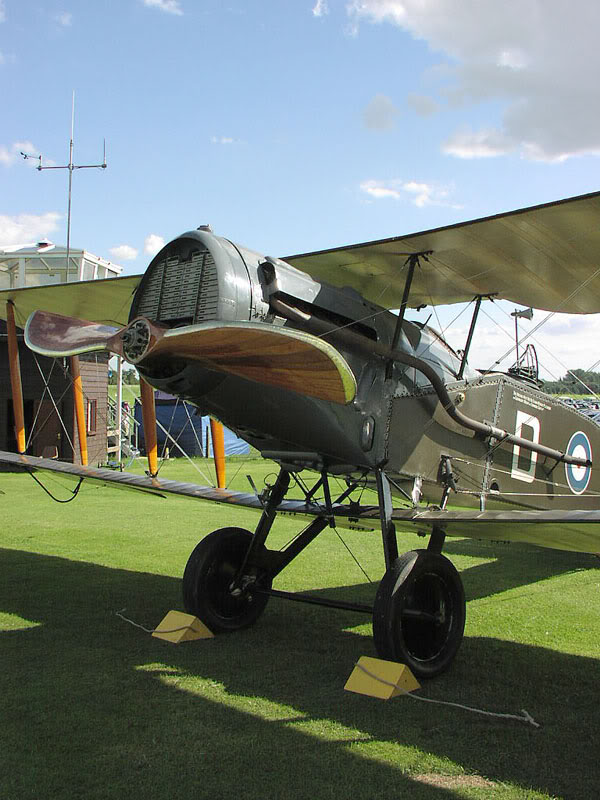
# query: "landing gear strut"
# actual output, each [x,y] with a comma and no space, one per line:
[419,610]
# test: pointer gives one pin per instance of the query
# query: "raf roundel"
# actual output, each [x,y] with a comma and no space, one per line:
[579,477]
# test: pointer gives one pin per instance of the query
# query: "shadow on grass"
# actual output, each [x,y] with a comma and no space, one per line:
[93,707]
[513,565]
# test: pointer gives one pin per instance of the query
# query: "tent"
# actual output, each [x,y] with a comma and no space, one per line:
[190,431]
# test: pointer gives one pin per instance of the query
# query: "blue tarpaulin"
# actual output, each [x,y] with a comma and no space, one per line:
[234,446]
[188,429]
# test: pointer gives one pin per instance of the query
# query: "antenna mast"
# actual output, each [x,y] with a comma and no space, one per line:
[70,166]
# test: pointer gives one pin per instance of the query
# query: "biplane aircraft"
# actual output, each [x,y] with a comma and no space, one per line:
[300,358]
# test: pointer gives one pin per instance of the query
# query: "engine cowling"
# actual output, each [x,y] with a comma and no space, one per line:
[200,277]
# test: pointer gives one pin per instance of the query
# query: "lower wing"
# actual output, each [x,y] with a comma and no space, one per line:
[577,531]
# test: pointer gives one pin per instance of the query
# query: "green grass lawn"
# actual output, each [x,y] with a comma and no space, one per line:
[95,708]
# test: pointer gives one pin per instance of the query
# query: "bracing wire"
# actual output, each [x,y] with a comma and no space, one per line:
[551,314]
[51,396]
[182,451]
[538,344]
[354,558]
[192,426]
[563,366]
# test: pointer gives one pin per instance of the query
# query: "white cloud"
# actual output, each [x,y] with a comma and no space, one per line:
[540,60]
[563,342]
[222,140]
[153,243]
[169,6]
[7,58]
[2,12]
[65,19]
[9,155]
[23,228]
[379,190]
[485,143]
[423,105]
[514,59]
[420,194]
[123,252]
[424,194]
[320,8]
[380,114]
[378,10]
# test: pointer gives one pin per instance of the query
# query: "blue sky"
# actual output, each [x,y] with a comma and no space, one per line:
[298,125]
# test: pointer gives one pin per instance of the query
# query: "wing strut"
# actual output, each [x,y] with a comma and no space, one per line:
[15,377]
[463,363]
[79,409]
[149,420]
[218,442]
[412,261]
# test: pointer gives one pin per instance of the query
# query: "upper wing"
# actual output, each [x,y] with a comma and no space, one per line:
[577,531]
[547,256]
[106,301]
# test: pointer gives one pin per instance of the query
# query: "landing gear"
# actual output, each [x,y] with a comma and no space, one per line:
[208,577]
[419,612]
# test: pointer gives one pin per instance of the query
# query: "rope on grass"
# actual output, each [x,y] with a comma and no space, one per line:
[148,630]
[524,716]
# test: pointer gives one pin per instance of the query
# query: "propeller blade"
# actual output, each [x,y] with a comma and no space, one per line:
[149,420]
[275,356]
[55,335]
[282,357]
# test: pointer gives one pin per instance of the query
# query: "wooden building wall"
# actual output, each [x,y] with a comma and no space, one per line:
[43,429]
[94,379]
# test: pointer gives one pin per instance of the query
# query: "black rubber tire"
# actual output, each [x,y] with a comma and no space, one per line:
[208,574]
[419,613]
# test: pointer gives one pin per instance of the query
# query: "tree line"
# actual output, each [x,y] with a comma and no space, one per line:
[570,384]
[130,376]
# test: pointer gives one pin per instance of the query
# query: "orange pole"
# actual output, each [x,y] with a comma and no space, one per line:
[15,377]
[149,420]
[79,410]
[218,440]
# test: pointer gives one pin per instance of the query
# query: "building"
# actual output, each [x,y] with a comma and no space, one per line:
[50,425]
[44,263]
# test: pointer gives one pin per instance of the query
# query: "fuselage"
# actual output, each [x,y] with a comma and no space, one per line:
[396,419]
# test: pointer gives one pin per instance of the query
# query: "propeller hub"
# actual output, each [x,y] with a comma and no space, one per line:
[136,339]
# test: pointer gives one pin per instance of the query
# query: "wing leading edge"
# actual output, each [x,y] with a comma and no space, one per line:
[577,531]
[546,256]
[104,301]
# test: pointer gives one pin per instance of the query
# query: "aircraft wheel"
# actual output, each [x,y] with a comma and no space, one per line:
[419,613]
[208,574]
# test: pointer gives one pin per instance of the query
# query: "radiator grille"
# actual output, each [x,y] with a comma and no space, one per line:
[180,289]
